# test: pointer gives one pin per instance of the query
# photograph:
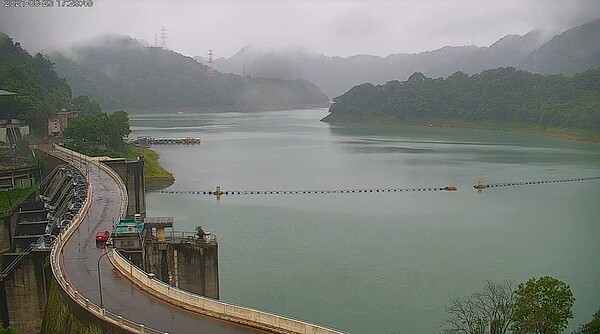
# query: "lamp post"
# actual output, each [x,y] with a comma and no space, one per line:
[8,197]
[99,281]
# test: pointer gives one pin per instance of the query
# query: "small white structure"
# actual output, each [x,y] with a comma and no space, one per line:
[59,121]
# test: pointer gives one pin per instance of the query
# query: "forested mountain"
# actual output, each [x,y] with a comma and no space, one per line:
[41,91]
[120,72]
[113,94]
[575,50]
[502,95]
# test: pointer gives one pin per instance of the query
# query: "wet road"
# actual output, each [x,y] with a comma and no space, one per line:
[80,258]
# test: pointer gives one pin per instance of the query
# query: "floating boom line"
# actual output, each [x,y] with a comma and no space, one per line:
[219,192]
[479,186]
[526,183]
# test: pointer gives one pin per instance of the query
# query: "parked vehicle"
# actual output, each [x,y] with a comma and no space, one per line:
[102,235]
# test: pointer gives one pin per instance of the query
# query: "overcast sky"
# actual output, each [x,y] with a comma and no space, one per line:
[333,27]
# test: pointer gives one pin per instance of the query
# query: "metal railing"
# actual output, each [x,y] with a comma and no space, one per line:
[16,261]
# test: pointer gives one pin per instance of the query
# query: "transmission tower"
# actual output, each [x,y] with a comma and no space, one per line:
[163,37]
[211,67]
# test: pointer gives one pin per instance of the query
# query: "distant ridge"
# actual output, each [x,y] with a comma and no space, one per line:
[120,72]
[534,51]
[573,51]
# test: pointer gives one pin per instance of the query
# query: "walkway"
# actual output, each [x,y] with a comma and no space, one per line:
[80,258]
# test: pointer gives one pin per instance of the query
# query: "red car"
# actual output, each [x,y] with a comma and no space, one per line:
[102,235]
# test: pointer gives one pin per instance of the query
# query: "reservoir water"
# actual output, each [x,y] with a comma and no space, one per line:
[379,262]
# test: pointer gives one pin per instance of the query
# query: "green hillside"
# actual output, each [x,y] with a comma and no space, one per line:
[573,51]
[41,91]
[503,95]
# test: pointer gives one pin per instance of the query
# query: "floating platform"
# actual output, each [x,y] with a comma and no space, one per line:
[147,141]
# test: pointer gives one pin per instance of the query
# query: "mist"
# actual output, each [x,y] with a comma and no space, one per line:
[332,27]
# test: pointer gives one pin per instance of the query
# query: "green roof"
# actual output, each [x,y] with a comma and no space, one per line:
[128,226]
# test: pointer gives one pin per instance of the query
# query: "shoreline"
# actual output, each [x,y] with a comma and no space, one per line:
[156,177]
[531,129]
[191,110]
[158,183]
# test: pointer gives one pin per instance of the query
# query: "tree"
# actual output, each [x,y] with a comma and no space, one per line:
[542,306]
[498,95]
[41,91]
[84,106]
[118,128]
[98,133]
[592,327]
[199,232]
[487,311]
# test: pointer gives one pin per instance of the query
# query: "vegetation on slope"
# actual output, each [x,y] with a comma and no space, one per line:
[155,176]
[541,305]
[573,51]
[500,96]
[41,91]
[101,134]
[98,133]
[10,199]
[120,72]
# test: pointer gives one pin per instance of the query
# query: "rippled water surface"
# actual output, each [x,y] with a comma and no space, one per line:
[379,262]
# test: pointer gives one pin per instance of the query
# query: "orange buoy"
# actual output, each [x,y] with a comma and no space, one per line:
[480,185]
[218,191]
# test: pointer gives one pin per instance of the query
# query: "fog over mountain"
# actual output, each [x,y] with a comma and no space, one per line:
[332,27]
[121,72]
[576,50]
[353,41]
[336,75]
[536,51]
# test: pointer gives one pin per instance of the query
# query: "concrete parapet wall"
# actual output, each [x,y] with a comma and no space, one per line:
[194,303]
[213,308]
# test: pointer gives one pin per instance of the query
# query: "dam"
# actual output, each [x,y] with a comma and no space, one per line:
[105,291]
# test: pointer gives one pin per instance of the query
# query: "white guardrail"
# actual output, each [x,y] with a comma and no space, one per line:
[55,255]
[186,300]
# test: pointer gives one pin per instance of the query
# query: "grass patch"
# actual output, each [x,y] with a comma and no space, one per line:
[5,151]
[155,176]
[10,199]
